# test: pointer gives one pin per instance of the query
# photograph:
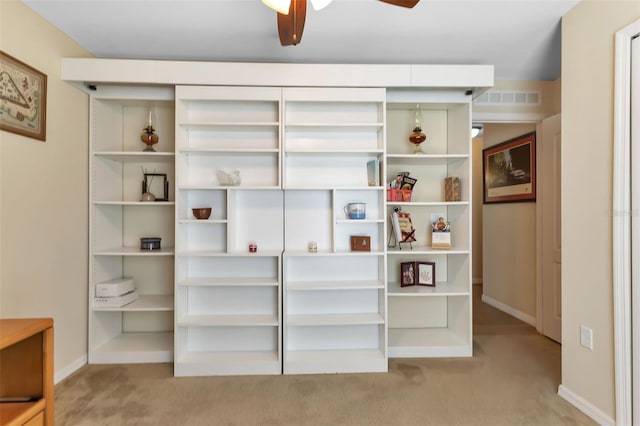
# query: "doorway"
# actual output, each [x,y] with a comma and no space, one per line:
[519,291]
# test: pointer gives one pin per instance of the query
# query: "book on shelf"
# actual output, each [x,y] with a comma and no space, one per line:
[407,231]
[408,182]
[441,232]
[452,188]
[373,172]
[401,228]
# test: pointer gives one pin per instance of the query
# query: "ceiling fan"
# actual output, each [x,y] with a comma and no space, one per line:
[292,14]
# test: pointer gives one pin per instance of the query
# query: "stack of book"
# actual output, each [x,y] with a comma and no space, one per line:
[115,293]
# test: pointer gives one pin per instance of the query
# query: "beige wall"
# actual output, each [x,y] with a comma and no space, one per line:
[43,194]
[509,243]
[587,165]
[476,208]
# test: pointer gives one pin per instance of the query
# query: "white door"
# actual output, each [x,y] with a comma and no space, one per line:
[549,197]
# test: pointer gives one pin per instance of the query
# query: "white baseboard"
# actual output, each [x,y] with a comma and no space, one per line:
[509,310]
[68,370]
[586,407]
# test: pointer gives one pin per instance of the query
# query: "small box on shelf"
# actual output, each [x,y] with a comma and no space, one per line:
[452,188]
[401,195]
[115,287]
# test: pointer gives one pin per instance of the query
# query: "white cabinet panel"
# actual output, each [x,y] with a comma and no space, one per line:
[141,331]
[431,321]
[228,298]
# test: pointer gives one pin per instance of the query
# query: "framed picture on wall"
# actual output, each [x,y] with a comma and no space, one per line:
[509,170]
[24,98]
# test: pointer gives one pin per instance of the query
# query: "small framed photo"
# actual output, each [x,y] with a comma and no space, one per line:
[426,273]
[407,274]
[360,243]
[156,184]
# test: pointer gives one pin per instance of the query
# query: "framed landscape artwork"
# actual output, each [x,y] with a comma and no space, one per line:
[509,170]
[23,98]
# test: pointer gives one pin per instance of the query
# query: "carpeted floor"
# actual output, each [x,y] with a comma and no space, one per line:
[512,379]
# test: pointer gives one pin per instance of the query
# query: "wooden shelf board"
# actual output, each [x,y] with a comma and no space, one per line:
[334,319]
[229,282]
[145,303]
[441,289]
[135,203]
[134,347]
[235,320]
[19,413]
[334,285]
[134,251]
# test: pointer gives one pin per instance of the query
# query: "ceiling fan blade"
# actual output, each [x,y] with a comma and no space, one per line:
[290,26]
[404,3]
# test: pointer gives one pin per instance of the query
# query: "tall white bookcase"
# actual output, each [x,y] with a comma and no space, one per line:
[300,137]
[431,321]
[334,299]
[228,305]
[141,331]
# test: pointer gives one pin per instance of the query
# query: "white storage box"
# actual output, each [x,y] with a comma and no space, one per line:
[116,287]
[115,301]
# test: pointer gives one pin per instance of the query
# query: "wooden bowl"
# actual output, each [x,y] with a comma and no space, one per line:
[202,212]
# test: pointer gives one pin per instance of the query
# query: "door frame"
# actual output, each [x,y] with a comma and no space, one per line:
[621,217]
[529,118]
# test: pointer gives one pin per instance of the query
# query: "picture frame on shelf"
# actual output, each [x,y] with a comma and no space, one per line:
[509,170]
[156,186]
[360,243]
[26,96]
[440,232]
[426,273]
[407,274]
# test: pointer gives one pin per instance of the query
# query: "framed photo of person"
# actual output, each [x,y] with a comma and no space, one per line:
[407,274]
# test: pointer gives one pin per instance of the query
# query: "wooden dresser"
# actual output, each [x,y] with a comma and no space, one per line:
[26,371]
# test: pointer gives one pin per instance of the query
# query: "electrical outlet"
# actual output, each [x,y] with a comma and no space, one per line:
[586,337]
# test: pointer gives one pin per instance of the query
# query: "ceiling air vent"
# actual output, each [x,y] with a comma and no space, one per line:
[508,97]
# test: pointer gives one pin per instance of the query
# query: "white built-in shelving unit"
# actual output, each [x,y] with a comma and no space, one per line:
[431,321]
[334,299]
[228,305]
[300,137]
[141,331]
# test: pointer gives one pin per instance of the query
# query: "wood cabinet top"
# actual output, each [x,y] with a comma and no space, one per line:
[15,330]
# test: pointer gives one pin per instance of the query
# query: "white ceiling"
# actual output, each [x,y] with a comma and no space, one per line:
[520,37]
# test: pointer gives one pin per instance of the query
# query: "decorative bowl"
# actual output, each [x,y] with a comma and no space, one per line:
[202,212]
